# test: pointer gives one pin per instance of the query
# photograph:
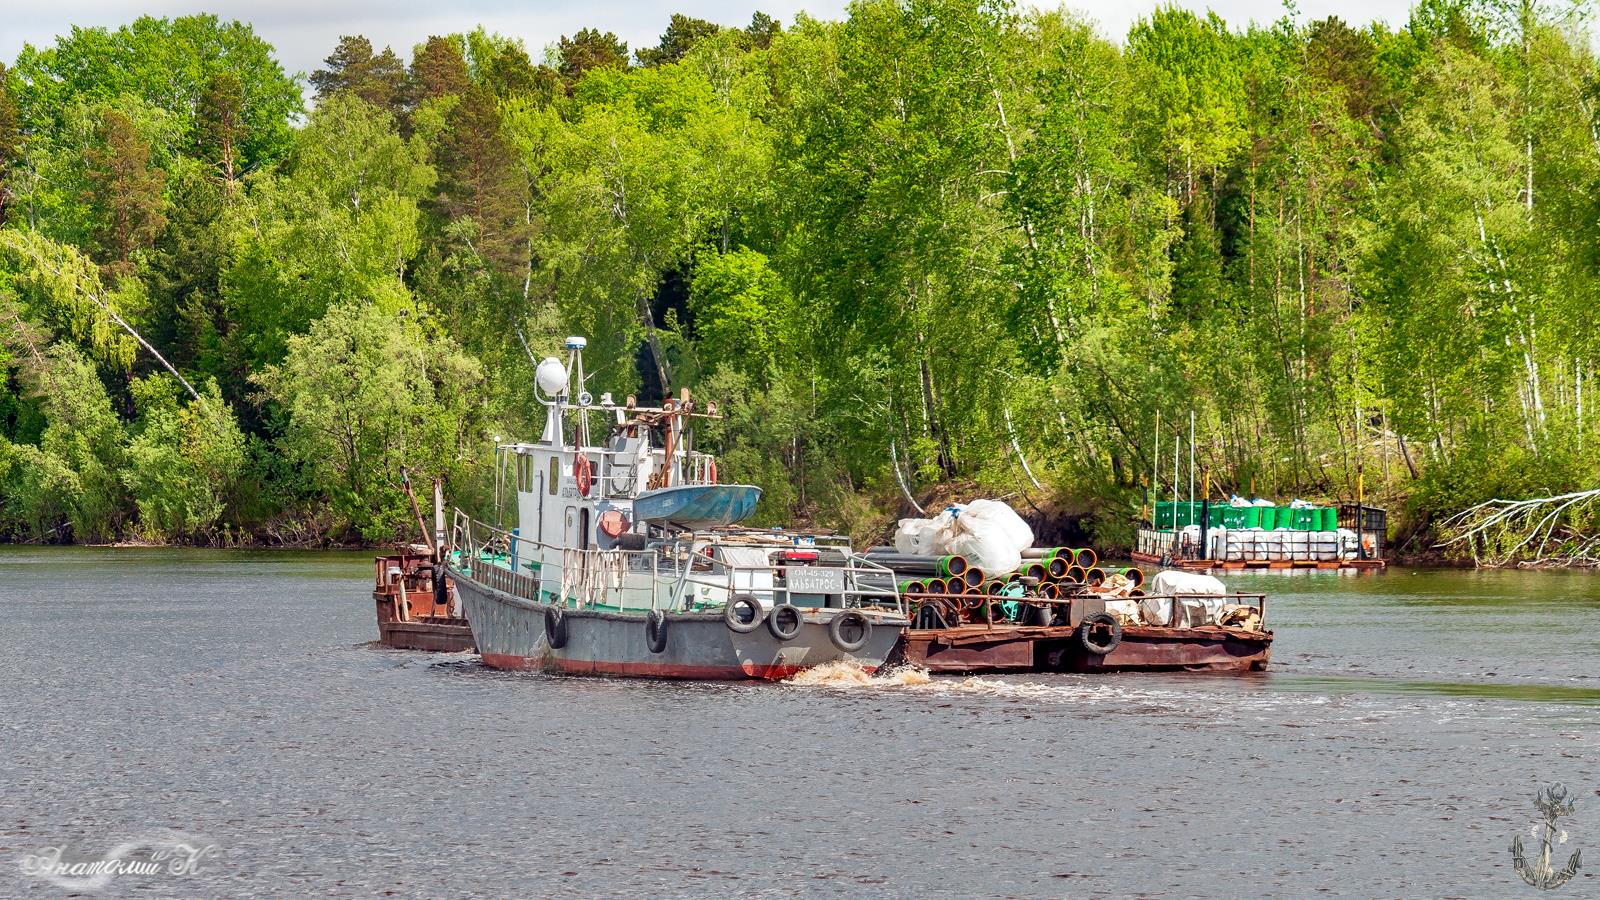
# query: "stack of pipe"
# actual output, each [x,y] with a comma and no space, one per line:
[1046,573]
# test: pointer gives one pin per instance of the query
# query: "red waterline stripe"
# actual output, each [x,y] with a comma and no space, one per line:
[649,669]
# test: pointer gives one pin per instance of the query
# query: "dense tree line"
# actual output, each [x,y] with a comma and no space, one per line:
[941,242]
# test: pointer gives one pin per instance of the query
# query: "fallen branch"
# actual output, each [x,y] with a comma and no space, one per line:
[1521,532]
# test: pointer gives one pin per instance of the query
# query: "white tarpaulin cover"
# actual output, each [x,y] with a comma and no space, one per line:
[1203,609]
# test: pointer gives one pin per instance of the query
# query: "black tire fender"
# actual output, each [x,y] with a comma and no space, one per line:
[655,630]
[779,622]
[1090,641]
[846,619]
[736,623]
[555,627]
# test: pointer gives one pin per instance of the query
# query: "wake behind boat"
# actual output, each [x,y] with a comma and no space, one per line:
[626,559]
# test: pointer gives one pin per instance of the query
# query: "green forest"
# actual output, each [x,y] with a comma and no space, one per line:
[940,248]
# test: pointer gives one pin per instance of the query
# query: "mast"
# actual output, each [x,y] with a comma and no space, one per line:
[1155,465]
[1191,462]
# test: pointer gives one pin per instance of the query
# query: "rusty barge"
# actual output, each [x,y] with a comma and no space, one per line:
[1080,633]
[416,604]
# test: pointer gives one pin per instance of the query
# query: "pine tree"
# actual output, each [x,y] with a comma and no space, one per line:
[480,182]
[353,67]
[589,49]
[126,194]
[437,70]
[10,140]
[220,129]
[682,33]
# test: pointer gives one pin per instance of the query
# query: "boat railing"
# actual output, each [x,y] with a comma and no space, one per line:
[613,565]
[988,602]
[692,468]
[854,588]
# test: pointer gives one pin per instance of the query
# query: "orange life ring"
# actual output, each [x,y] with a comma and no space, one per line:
[711,471]
[583,471]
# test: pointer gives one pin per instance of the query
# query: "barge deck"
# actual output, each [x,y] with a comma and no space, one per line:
[1082,639]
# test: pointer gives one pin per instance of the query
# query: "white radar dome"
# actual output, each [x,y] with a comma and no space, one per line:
[551,376]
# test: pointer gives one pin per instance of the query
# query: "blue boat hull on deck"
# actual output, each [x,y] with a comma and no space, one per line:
[695,506]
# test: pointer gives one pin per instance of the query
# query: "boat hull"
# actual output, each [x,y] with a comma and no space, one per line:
[437,636]
[510,634]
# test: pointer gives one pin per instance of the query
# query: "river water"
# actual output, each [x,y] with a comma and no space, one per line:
[234,702]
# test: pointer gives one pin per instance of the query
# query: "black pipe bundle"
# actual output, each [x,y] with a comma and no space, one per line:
[908,564]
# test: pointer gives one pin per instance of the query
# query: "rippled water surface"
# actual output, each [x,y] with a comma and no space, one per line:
[1392,750]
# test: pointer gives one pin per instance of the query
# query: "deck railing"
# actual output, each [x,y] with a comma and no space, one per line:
[960,603]
[672,560]
[692,467]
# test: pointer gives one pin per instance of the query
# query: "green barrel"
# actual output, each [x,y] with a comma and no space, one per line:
[1252,517]
[1269,517]
[1330,519]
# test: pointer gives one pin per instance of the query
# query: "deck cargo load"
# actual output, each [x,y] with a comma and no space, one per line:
[1006,605]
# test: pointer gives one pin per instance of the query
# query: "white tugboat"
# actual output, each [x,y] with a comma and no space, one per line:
[627,558]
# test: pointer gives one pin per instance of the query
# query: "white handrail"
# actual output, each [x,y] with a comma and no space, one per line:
[684,554]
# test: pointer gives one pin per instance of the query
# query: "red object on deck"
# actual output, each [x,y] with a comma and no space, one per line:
[409,616]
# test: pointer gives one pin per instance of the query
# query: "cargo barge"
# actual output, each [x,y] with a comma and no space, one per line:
[1080,633]
[1204,536]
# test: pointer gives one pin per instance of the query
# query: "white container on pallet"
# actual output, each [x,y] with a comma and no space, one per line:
[1239,543]
[1275,546]
[1217,539]
[1299,545]
[1326,546]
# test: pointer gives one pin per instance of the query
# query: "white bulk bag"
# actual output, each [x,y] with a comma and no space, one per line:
[917,537]
[1125,611]
[998,513]
[985,545]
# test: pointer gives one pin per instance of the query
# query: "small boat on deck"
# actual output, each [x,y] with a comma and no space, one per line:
[416,604]
[627,558]
[691,506]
